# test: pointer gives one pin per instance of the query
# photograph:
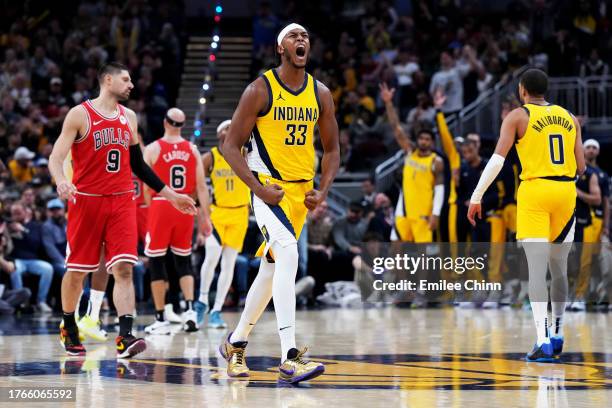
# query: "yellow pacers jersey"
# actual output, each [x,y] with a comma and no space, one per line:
[418,185]
[547,148]
[228,189]
[282,142]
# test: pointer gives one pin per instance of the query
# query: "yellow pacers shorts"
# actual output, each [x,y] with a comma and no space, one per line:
[413,229]
[545,209]
[230,225]
[283,222]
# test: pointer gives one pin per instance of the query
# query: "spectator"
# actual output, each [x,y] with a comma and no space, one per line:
[56,96]
[319,224]
[383,219]
[9,298]
[405,67]
[21,167]
[594,65]
[449,80]
[265,27]
[54,235]
[26,235]
[348,231]
[424,114]
[368,188]
[42,177]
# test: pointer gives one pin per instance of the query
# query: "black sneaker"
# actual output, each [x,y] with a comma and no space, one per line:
[543,353]
[71,343]
[129,346]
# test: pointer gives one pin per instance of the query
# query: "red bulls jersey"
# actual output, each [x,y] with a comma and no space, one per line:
[101,158]
[176,166]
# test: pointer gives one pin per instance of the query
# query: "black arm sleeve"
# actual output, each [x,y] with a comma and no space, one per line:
[143,171]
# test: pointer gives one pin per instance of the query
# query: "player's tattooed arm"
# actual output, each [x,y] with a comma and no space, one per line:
[401,137]
[254,100]
[75,124]
[328,128]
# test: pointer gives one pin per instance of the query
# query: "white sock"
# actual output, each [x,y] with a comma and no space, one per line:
[257,299]
[557,326]
[540,317]
[283,294]
[558,285]
[537,254]
[95,302]
[228,260]
[207,272]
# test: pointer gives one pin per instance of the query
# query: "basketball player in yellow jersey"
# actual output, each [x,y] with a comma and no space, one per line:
[280,110]
[230,219]
[549,146]
[422,196]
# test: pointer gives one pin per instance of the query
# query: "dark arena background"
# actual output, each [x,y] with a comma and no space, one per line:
[450,67]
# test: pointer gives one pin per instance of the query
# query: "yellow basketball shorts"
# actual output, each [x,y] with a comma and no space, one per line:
[230,225]
[413,229]
[545,209]
[283,222]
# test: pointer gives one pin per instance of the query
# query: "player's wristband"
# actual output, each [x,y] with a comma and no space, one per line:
[143,171]
[438,200]
[490,172]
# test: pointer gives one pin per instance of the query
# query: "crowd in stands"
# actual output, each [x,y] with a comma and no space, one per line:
[49,59]
[457,47]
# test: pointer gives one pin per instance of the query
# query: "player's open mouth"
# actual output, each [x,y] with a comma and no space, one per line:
[300,51]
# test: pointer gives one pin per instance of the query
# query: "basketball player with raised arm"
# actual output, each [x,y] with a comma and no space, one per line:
[176,162]
[101,136]
[279,112]
[549,145]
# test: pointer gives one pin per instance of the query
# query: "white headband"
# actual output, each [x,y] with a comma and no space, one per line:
[286,30]
[223,125]
[591,142]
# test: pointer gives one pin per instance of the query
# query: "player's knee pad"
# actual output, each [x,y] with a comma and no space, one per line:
[157,266]
[183,266]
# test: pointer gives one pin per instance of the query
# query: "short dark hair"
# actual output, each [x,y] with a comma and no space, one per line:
[111,68]
[356,206]
[535,82]
[426,131]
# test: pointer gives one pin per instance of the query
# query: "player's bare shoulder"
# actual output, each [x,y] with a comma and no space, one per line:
[132,118]
[256,94]
[76,120]
[517,119]
[324,99]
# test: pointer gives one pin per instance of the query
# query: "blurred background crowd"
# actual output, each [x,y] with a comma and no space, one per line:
[49,57]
